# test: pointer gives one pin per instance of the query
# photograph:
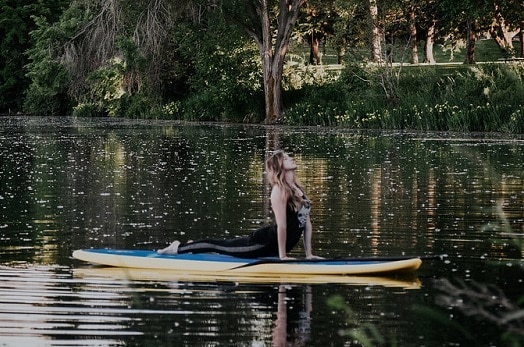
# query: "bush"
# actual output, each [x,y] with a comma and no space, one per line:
[463,98]
[85,110]
[47,93]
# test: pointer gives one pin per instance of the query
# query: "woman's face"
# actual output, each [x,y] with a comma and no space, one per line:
[288,163]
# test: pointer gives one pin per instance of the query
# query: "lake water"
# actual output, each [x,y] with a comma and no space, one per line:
[71,183]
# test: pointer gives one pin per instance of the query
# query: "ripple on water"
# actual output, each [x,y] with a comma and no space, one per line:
[55,305]
[47,306]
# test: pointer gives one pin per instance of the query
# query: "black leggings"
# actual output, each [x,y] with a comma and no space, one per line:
[261,243]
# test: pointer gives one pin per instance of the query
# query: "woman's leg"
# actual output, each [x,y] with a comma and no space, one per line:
[242,247]
[261,243]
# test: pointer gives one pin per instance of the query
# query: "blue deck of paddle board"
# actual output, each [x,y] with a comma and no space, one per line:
[225,258]
[188,256]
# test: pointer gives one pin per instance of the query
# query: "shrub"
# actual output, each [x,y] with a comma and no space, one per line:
[462,98]
[47,93]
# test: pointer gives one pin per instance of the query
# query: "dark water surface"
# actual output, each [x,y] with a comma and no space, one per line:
[75,183]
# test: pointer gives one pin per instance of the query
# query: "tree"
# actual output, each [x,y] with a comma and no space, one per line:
[338,22]
[429,23]
[47,93]
[314,29]
[521,39]
[507,23]
[376,32]
[413,33]
[112,53]
[134,32]
[430,43]
[16,23]
[215,72]
[270,24]
[464,19]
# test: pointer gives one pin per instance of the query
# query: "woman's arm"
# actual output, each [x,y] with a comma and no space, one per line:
[278,204]
[307,238]
[308,231]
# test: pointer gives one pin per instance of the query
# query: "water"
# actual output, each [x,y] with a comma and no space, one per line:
[69,183]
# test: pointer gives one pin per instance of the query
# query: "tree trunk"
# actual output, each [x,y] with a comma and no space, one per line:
[501,32]
[376,33]
[314,49]
[341,51]
[429,58]
[413,35]
[521,39]
[470,46]
[273,91]
[272,102]
[273,50]
[266,52]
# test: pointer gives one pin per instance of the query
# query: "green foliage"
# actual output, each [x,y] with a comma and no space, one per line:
[113,77]
[16,23]
[106,89]
[125,58]
[110,96]
[86,110]
[224,81]
[11,53]
[47,93]
[478,98]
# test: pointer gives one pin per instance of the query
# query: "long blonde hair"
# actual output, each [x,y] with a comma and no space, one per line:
[276,175]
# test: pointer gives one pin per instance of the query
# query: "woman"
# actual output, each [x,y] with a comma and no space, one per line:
[291,209]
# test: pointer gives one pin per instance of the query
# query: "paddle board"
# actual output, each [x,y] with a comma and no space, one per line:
[218,264]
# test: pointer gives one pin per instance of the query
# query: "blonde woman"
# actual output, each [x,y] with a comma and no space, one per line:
[291,208]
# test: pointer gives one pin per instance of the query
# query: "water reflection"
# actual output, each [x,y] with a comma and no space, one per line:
[76,183]
[293,317]
[42,304]
[104,306]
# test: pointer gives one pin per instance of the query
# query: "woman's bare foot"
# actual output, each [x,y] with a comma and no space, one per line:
[171,249]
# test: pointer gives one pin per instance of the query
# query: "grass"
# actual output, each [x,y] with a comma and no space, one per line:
[486,51]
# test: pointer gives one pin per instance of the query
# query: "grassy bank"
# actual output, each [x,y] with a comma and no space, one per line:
[483,97]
